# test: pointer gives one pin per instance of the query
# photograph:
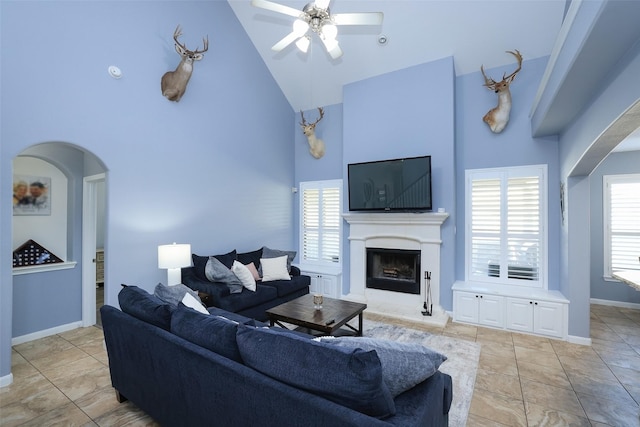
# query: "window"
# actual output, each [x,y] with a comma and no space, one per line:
[506,240]
[621,210]
[321,222]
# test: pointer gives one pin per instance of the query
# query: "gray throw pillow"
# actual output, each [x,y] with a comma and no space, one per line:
[215,271]
[173,294]
[275,253]
[404,364]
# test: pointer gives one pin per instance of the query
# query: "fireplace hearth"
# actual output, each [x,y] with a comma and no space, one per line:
[396,270]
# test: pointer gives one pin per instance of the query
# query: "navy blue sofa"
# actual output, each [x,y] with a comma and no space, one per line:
[180,383]
[247,303]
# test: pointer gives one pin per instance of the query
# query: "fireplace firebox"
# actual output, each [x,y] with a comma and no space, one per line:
[396,270]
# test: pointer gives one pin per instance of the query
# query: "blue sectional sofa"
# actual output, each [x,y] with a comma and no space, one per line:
[247,303]
[184,368]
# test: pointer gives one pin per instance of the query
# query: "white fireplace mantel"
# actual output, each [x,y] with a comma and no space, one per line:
[413,231]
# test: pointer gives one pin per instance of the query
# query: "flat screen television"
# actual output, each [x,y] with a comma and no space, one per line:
[390,185]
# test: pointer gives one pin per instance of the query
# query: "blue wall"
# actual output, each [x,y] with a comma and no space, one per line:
[407,113]
[477,147]
[214,170]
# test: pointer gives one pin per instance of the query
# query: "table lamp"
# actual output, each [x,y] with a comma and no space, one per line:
[173,258]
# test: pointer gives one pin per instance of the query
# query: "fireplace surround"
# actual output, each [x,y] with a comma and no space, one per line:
[419,232]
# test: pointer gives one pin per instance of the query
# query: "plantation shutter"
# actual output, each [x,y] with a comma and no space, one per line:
[504,240]
[321,221]
[623,222]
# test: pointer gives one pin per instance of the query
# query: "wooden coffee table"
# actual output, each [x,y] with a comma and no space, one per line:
[328,320]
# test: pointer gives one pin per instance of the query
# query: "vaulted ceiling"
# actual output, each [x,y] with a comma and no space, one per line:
[473,32]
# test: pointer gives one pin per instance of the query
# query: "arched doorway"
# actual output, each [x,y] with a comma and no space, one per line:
[60,295]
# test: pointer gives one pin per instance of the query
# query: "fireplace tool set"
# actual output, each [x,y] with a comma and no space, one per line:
[428,305]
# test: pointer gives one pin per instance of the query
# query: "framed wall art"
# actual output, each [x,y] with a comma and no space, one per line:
[31,195]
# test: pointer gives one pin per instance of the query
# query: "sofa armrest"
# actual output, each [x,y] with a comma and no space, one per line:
[295,271]
[216,290]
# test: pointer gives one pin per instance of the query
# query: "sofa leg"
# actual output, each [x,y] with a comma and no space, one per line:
[120,397]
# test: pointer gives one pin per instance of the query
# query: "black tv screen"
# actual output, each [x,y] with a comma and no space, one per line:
[390,185]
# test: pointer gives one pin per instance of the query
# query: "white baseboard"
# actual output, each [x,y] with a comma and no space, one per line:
[614,303]
[579,340]
[45,333]
[6,380]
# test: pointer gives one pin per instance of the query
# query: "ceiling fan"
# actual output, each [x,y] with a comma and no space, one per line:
[317,17]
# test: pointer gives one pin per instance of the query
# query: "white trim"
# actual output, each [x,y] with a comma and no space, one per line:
[46,333]
[89,218]
[579,340]
[44,267]
[620,304]
[6,380]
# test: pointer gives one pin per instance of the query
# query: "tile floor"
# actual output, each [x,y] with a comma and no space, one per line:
[522,380]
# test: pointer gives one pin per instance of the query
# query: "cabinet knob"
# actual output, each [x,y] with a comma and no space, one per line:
[530,302]
[536,303]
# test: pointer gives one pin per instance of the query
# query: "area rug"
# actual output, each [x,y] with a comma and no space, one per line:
[461,363]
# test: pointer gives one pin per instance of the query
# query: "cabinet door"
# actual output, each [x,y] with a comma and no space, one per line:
[548,318]
[465,307]
[520,314]
[328,285]
[313,283]
[491,311]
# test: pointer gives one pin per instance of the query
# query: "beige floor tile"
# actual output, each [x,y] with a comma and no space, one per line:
[126,414]
[574,350]
[599,345]
[620,360]
[477,421]
[554,376]
[498,349]
[498,408]
[531,341]
[43,347]
[68,415]
[500,365]
[610,412]
[32,406]
[80,385]
[494,335]
[607,389]
[529,355]
[99,402]
[82,335]
[628,377]
[60,359]
[589,366]
[23,388]
[540,416]
[460,330]
[74,369]
[507,385]
[558,398]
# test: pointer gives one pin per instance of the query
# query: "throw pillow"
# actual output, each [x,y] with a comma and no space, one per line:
[142,305]
[254,271]
[245,276]
[199,262]
[275,253]
[218,272]
[214,333]
[404,365]
[173,294]
[274,269]
[253,256]
[350,377]
[195,303]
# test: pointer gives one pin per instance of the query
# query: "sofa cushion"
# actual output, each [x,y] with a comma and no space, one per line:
[215,333]
[251,257]
[142,305]
[193,303]
[275,253]
[218,272]
[173,294]
[245,276]
[199,262]
[254,271]
[274,269]
[285,287]
[404,364]
[247,299]
[350,377]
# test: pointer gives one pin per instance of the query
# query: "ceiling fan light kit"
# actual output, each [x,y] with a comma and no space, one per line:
[317,17]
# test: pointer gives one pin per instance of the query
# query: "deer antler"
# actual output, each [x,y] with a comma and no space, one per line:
[178,32]
[491,84]
[304,122]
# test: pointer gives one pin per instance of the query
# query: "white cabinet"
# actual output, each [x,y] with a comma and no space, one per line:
[538,317]
[327,284]
[532,311]
[483,309]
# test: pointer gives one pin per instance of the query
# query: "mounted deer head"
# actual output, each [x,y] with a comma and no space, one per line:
[498,117]
[316,145]
[174,83]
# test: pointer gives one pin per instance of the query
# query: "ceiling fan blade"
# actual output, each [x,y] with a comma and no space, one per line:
[286,41]
[365,18]
[275,7]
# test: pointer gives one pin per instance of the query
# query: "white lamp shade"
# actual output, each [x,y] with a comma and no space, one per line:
[174,256]
[330,31]
[303,43]
[322,4]
[300,27]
